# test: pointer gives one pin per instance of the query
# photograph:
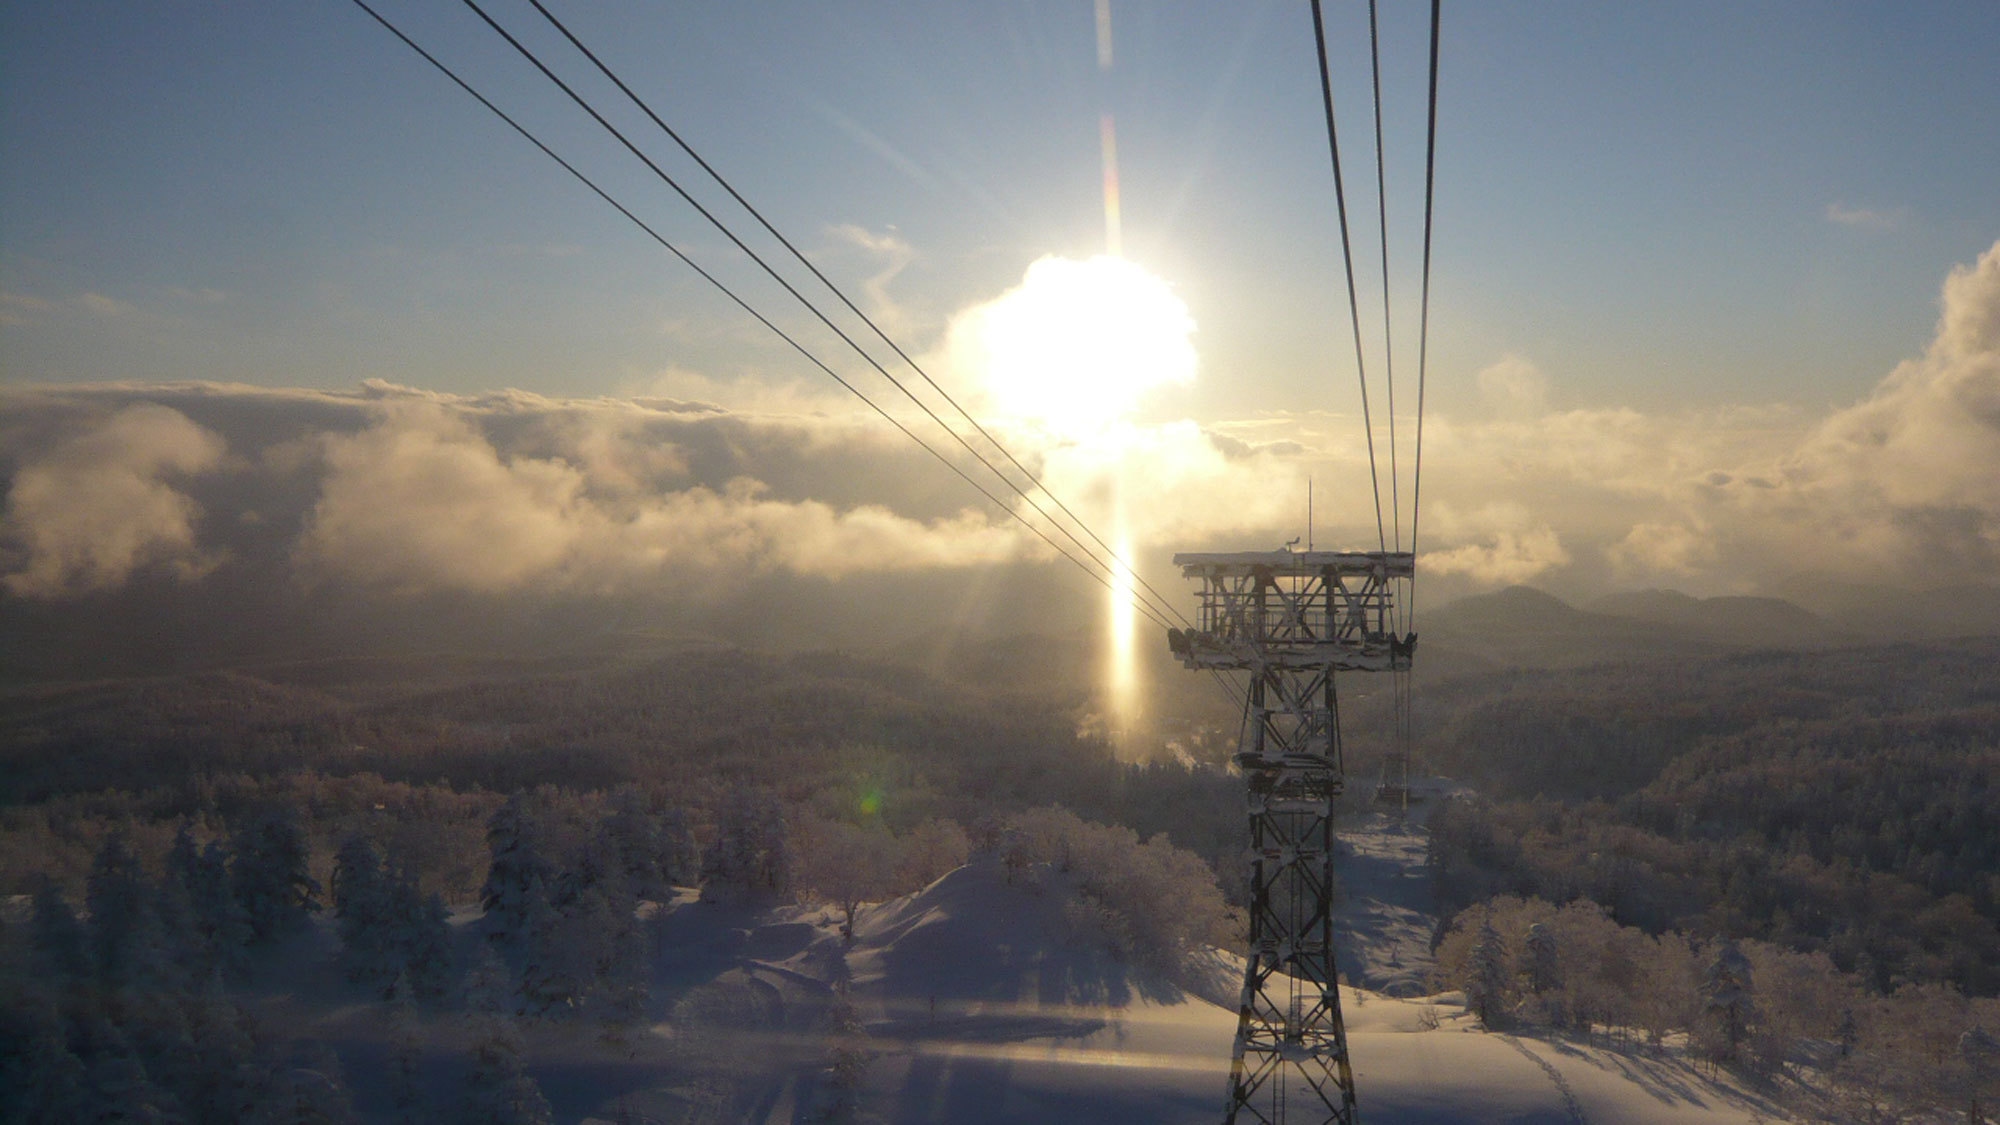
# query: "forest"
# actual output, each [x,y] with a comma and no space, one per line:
[1787,858]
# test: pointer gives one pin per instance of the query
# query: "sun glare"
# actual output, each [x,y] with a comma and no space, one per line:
[1076,345]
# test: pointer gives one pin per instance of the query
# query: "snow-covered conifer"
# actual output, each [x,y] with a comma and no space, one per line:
[625,990]
[752,854]
[1486,975]
[359,892]
[497,1091]
[269,873]
[59,940]
[419,933]
[680,858]
[512,842]
[127,946]
[43,1077]
[631,834]
[1727,1000]
[1543,970]
[551,984]
[220,918]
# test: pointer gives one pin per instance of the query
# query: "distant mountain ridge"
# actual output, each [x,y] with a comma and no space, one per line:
[1732,619]
[1520,626]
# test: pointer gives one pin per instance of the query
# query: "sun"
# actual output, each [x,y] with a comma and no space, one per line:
[1077,344]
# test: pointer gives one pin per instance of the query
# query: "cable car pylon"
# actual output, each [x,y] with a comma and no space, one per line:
[1292,620]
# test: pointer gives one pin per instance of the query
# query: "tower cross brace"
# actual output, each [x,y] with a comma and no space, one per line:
[1291,620]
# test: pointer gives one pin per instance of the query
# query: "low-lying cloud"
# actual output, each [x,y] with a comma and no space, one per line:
[399,491]
[105,501]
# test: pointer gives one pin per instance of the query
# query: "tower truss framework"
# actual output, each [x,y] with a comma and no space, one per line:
[1292,620]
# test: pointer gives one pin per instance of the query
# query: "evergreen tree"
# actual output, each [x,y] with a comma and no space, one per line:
[1486,976]
[220,919]
[631,835]
[680,858]
[752,855]
[44,1080]
[550,982]
[59,940]
[269,874]
[223,1051]
[1727,1000]
[488,989]
[1544,967]
[626,989]
[116,1085]
[419,929]
[361,902]
[516,862]
[127,946]
[498,1091]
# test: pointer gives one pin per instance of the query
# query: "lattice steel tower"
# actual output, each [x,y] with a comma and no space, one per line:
[1292,620]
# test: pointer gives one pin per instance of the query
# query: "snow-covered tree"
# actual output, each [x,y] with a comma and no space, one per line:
[220,919]
[127,945]
[680,857]
[625,989]
[752,853]
[517,861]
[269,873]
[43,1077]
[420,932]
[1727,994]
[848,865]
[1486,976]
[59,940]
[631,835]
[550,983]
[1543,968]
[360,894]
[498,1091]
[930,850]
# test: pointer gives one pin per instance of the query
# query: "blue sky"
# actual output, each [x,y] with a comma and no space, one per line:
[1644,200]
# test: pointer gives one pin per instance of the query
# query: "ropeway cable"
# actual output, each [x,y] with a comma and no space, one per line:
[1424,331]
[1388,335]
[1347,256]
[1102,578]
[1154,613]
[1035,481]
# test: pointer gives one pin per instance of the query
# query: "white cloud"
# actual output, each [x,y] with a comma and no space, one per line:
[1664,548]
[1514,387]
[1866,218]
[893,255]
[423,500]
[1912,473]
[1504,558]
[99,506]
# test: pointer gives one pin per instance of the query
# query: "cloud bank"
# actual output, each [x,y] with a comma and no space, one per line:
[103,503]
[399,492]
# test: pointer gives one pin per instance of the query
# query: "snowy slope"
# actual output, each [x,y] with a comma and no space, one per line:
[981,1007]
[980,999]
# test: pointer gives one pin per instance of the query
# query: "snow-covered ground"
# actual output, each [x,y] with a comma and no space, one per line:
[984,998]
[977,1004]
